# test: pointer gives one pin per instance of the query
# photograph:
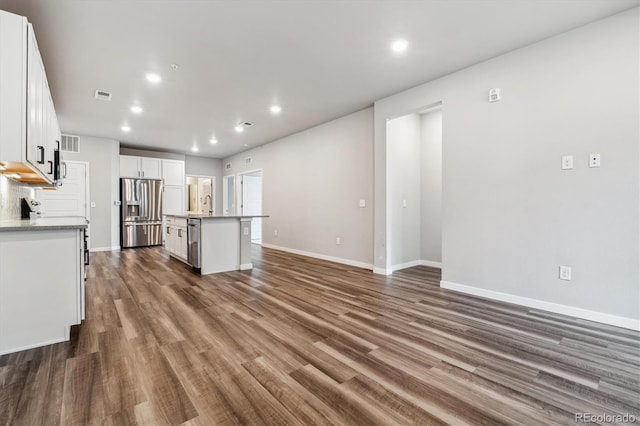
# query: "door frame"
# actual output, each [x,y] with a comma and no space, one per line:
[239,190]
[225,192]
[213,189]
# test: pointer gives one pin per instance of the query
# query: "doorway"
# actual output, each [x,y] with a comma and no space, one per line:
[229,195]
[251,201]
[414,156]
[201,195]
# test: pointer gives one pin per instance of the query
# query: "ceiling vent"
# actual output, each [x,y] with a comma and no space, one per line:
[70,143]
[227,166]
[103,95]
[245,124]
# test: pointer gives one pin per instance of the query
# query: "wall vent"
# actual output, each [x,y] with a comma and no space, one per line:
[227,166]
[70,143]
[103,95]
[247,160]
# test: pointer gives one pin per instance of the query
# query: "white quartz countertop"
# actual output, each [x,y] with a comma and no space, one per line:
[44,224]
[208,216]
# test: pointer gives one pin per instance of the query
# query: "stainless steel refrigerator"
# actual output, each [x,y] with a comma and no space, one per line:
[141,214]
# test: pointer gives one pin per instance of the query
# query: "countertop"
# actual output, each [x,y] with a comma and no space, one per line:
[44,224]
[208,216]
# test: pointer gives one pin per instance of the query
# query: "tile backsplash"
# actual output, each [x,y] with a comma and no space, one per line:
[10,194]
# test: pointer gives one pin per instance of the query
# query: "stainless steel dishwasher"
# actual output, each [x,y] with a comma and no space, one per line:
[193,242]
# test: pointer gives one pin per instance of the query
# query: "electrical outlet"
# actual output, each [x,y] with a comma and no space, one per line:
[565,273]
[338,241]
[275,232]
[93,204]
[594,160]
[404,203]
[567,162]
[362,203]
[246,230]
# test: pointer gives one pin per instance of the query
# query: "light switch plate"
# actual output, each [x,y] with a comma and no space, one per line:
[362,203]
[93,204]
[567,162]
[565,273]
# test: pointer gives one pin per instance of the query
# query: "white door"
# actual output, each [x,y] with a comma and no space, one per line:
[252,202]
[70,199]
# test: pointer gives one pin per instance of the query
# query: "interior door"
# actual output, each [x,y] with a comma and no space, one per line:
[252,202]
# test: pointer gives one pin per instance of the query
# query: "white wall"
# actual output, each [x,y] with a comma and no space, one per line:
[312,184]
[204,166]
[510,215]
[103,156]
[431,186]
[403,153]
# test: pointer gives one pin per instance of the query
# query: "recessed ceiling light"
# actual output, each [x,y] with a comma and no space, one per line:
[400,46]
[239,129]
[275,109]
[246,144]
[153,78]
[213,141]
[136,109]
[175,67]
[125,128]
[194,148]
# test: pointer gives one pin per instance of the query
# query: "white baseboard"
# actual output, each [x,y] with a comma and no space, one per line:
[416,263]
[245,266]
[94,249]
[600,317]
[320,256]
[34,345]
[382,271]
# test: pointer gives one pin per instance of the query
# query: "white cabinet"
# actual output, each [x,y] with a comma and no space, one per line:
[143,167]
[42,287]
[173,172]
[176,237]
[29,131]
[173,201]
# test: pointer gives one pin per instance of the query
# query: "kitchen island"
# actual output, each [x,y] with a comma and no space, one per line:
[213,243]
[42,265]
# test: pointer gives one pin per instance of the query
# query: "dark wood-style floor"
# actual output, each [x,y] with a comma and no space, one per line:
[303,341]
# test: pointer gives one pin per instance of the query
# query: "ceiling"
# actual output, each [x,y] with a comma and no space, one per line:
[319,60]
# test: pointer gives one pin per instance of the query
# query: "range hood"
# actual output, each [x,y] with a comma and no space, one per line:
[20,172]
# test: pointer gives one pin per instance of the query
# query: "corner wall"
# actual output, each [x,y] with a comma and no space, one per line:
[511,216]
[103,156]
[312,184]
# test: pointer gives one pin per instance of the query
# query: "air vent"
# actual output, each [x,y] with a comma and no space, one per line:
[227,166]
[247,160]
[103,95]
[70,143]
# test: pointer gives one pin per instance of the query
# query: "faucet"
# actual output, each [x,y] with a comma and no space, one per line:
[210,206]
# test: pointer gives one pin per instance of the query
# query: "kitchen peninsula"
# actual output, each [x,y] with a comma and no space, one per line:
[210,243]
[42,265]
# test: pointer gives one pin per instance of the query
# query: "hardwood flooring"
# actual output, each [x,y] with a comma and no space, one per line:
[303,341]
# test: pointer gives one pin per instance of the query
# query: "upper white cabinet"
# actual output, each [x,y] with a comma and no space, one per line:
[29,131]
[173,172]
[142,167]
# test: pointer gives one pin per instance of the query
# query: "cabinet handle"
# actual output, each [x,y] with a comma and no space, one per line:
[41,153]
[168,230]
[64,168]
[179,233]
[143,173]
[50,172]
[58,143]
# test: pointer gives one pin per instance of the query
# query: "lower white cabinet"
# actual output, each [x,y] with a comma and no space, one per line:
[176,237]
[41,287]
